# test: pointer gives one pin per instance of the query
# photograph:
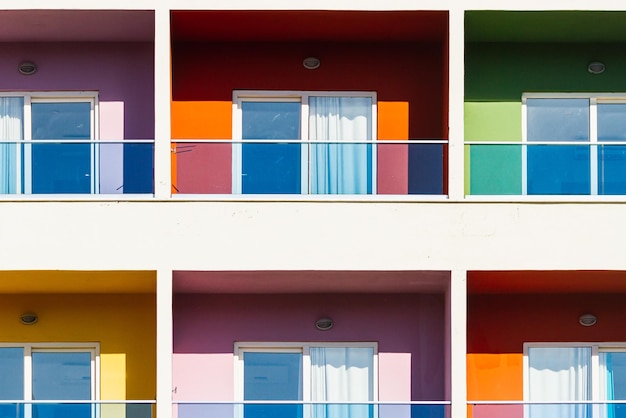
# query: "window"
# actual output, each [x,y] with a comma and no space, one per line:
[329,373]
[48,372]
[304,143]
[576,144]
[38,167]
[569,373]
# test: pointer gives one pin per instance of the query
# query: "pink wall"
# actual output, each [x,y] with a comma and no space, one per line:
[409,330]
[122,73]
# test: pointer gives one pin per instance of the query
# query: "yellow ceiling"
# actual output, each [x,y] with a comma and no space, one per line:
[55,281]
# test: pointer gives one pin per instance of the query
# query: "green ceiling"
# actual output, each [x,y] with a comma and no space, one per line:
[545,26]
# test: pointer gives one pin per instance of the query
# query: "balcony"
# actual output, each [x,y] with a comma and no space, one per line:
[306,167]
[65,166]
[77,409]
[549,409]
[547,168]
[299,409]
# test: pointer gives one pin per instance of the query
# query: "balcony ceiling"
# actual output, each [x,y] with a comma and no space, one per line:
[261,282]
[498,282]
[570,26]
[76,26]
[303,26]
[54,281]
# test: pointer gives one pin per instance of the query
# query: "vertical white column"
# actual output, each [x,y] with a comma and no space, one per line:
[162,95]
[164,344]
[456,95]
[456,344]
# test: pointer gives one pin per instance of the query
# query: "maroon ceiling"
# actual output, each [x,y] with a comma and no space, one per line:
[299,26]
[559,281]
[310,281]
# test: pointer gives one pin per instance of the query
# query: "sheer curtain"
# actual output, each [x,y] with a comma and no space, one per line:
[339,375]
[340,168]
[559,374]
[607,385]
[11,121]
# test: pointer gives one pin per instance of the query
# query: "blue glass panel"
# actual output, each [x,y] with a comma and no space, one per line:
[61,168]
[611,159]
[138,168]
[341,168]
[425,168]
[611,122]
[11,374]
[11,380]
[611,169]
[428,411]
[271,168]
[272,376]
[558,170]
[62,411]
[61,375]
[557,119]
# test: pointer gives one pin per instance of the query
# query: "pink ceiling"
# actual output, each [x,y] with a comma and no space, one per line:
[76,26]
[310,281]
[546,281]
[309,25]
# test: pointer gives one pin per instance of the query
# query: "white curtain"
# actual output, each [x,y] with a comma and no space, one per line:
[340,168]
[11,129]
[559,374]
[340,374]
[607,385]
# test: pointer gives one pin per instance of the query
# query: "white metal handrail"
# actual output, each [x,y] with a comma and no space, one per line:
[310,141]
[265,402]
[558,143]
[67,401]
[605,402]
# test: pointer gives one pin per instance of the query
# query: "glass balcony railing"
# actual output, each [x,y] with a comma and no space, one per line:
[77,167]
[546,168]
[295,409]
[299,167]
[557,409]
[77,409]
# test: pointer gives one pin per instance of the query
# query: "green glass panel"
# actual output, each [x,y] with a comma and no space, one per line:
[495,169]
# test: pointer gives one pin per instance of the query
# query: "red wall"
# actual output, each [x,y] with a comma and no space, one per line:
[500,324]
[408,78]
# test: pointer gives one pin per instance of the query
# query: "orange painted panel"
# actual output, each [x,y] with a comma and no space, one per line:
[393,120]
[202,120]
[495,377]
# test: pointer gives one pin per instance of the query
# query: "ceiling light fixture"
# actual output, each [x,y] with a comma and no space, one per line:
[596,67]
[324,324]
[27,68]
[587,320]
[28,318]
[311,63]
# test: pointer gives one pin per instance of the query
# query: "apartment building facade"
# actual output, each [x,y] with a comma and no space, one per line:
[409,209]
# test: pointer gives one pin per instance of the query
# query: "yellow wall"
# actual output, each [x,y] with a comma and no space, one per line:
[123,324]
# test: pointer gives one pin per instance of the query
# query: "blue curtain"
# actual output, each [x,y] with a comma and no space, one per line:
[11,129]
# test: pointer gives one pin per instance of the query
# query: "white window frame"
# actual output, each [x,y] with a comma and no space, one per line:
[30,97]
[302,97]
[596,348]
[29,348]
[594,100]
[298,347]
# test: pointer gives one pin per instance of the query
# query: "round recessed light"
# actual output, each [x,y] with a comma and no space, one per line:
[587,320]
[311,63]
[28,318]
[324,324]
[596,67]
[27,68]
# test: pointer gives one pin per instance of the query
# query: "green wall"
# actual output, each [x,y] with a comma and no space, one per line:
[496,76]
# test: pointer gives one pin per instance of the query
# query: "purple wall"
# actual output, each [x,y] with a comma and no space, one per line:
[120,72]
[405,326]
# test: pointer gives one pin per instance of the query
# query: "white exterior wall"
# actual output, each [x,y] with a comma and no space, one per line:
[311,236]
